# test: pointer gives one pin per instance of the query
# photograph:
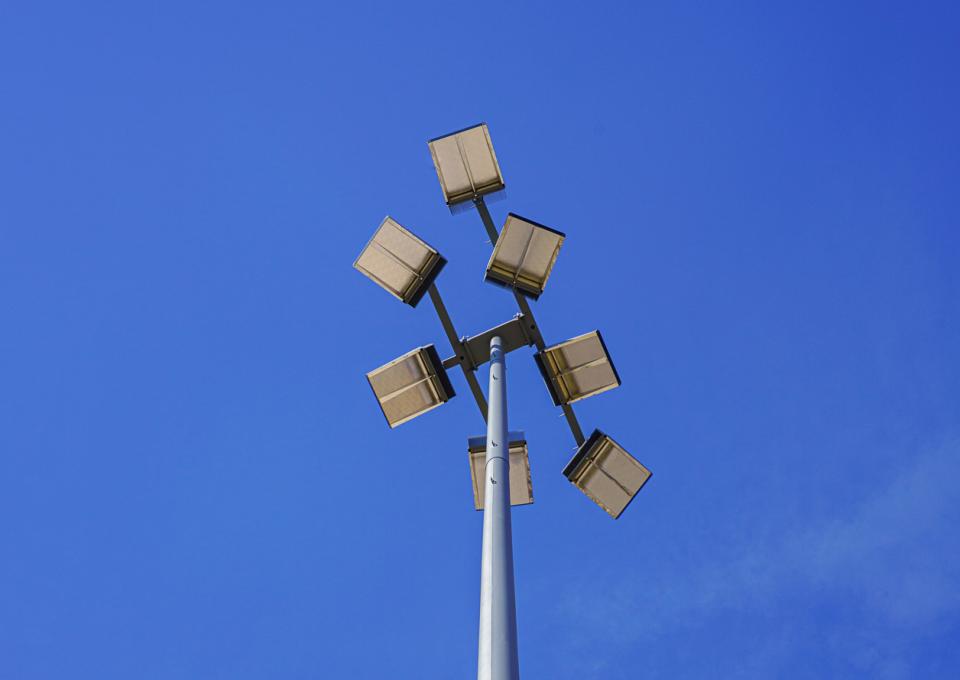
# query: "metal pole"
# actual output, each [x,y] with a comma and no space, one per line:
[497,659]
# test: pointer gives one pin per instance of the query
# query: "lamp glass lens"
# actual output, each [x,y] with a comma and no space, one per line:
[524,254]
[385,270]
[406,371]
[396,259]
[480,161]
[610,476]
[466,164]
[409,402]
[581,367]
[451,169]
[404,245]
[589,380]
[510,246]
[540,256]
[407,387]
[621,466]
[604,491]
[579,351]
[521,486]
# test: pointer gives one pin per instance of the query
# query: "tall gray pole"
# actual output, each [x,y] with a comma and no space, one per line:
[497,659]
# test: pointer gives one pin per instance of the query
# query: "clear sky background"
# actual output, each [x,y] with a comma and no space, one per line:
[760,203]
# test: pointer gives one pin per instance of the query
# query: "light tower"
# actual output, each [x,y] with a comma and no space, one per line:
[524,253]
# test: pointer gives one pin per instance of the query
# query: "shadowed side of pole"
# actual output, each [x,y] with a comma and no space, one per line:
[497,658]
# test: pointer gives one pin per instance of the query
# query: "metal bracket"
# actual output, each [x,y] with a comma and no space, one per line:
[472,352]
[526,314]
[459,350]
[513,335]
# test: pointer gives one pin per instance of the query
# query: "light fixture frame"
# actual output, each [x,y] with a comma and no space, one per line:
[423,278]
[454,198]
[586,454]
[516,447]
[436,374]
[552,379]
[502,277]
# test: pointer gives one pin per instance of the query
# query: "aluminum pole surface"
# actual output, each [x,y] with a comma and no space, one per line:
[497,658]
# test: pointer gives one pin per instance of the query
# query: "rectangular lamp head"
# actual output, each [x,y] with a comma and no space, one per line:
[466,164]
[521,487]
[399,262]
[411,385]
[524,255]
[577,369]
[606,473]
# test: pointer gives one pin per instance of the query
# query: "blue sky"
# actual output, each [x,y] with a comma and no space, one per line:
[761,214]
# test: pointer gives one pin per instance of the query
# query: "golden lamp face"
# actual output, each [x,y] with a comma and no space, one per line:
[521,485]
[524,255]
[606,473]
[466,165]
[411,385]
[399,262]
[578,368]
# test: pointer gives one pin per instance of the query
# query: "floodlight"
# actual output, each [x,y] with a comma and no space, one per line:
[466,164]
[411,385]
[524,255]
[399,262]
[577,369]
[606,473]
[521,488]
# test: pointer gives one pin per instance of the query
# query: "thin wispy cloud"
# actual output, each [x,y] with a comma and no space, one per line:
[884,557]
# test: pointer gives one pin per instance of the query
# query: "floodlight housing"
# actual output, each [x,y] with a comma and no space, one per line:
[606,473]
[466,165]
[523,255]
[521,486]
[399,262]
[411,385]
[577,369]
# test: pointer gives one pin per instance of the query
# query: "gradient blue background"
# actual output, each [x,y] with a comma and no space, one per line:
[761,210]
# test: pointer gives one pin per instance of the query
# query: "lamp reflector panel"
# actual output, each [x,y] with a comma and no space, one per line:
[466,165]
[399,262]
[577,369]
[524,255]
[606,473]
[411,385]
[521,486]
